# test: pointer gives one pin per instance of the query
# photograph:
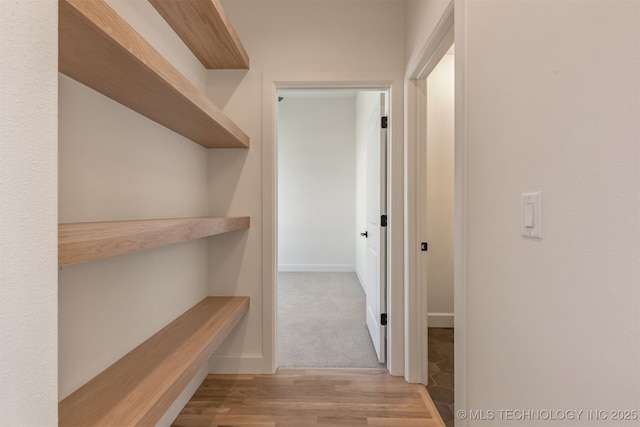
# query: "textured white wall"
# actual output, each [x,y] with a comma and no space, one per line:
[28,213]
[116,164]
[552,105]
[279,36]
[439,203]
[316,183]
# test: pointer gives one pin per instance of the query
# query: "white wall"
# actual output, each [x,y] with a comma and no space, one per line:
[299,42]
[116,164]
[421,18]
[439,197]
[563,119]
[552,105]
[279,36]
[316,183]
[28,214]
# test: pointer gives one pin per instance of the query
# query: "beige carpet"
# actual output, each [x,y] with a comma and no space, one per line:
[321,322]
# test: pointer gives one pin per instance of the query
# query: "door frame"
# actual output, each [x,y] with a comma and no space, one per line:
[393,82]
[377,238]
[416,277]
[444,34]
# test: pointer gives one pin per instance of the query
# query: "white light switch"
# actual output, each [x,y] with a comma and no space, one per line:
[532,215]
[529,215]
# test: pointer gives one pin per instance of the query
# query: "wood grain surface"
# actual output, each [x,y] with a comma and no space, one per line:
[87,241]
[205,28]
[142,385]
[310,397]
[101,50]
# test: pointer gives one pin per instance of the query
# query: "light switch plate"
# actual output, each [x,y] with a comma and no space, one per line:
[531,205]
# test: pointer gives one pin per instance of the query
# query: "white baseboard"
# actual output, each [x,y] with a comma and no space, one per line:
[322,268]
[440,320]
[239,364]
[361,280]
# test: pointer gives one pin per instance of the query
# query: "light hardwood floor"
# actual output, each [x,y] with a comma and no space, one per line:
[310,397]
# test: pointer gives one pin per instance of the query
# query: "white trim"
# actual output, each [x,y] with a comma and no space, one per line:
[414,304]
[247,363]
[440,320]
[436,46]
[269,225]
[361,281]
[414,128]
[460,212]
[395,274]
[321,268]
[417,319]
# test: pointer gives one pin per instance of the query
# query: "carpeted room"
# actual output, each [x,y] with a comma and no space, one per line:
[321,213]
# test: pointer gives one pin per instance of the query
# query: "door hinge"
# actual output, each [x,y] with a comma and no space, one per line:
[383,220]
[384,122]
[383,319]
[424,246]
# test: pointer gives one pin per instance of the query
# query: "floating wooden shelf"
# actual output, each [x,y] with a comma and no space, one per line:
[205,29]
[140,387]
[100,49]
[87,241]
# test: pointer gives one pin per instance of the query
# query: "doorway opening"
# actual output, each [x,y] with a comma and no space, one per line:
[435,216]
[438,227]
[325,283]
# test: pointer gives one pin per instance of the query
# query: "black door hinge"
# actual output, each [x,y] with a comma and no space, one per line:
[383,220]
[384,122]
[383,319]
[424,246]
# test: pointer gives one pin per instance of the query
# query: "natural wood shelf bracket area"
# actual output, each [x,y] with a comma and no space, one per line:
[204,27]
[87,241]
[99,49]
[140,387]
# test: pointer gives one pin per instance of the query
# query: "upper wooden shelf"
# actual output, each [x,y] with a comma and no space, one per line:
[140,387]
[87,241]
[100,49]
[204,27]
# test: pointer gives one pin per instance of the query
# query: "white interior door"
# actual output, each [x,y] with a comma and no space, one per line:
[375,286]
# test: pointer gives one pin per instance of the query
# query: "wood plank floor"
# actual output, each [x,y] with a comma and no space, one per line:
[310,397]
